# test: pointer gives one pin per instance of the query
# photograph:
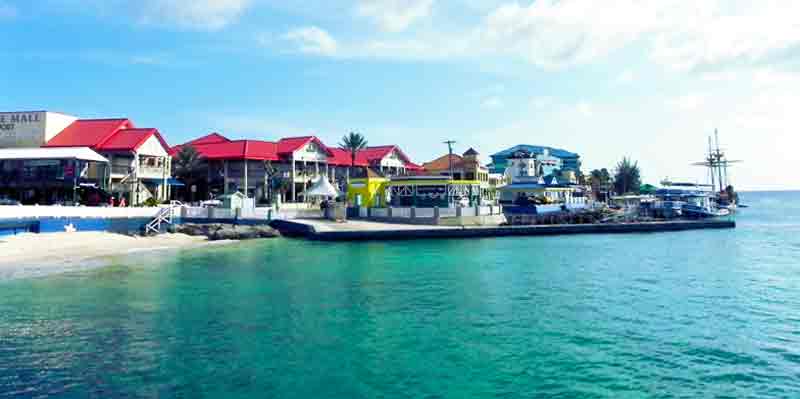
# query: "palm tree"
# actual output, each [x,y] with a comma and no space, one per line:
[353,143]
[627,178]
[187,162]
[600,180]
[269,171]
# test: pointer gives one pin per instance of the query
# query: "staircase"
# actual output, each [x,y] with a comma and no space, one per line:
[164,215]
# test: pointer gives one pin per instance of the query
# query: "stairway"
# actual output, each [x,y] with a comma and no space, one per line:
[164,215]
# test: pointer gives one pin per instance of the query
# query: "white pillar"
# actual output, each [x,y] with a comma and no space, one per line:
[294,190]
[245,179]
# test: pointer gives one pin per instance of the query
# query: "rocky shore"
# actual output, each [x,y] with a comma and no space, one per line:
[220,231]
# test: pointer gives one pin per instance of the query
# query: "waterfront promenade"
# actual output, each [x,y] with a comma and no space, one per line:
[322,230]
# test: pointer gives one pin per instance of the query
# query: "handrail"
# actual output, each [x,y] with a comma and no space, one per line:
[164,215]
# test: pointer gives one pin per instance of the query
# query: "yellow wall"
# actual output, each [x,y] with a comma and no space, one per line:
[371,191]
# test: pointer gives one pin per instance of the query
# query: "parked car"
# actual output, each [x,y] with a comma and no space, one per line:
[211,203]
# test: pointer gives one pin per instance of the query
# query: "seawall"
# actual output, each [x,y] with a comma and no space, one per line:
[300,229]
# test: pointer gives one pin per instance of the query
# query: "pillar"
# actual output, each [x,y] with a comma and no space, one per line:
[245,180]
[224,177]
[294,189]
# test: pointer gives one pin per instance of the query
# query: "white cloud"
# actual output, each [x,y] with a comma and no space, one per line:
[312,40]
[394,15]
[192,14]
[687,102]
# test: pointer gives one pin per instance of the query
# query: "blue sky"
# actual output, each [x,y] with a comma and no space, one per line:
[646,79]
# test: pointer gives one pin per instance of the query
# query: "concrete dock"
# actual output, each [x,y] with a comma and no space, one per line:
[323,230]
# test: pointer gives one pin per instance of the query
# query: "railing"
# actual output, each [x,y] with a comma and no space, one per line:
[120,169]
[151,171]
[165,215]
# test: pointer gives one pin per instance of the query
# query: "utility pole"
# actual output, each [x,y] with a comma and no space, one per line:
[450,155]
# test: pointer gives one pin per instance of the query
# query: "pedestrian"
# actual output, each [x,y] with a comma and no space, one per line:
[111,201]
[122,203]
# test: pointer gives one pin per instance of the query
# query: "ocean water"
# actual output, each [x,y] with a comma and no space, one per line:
[711,314]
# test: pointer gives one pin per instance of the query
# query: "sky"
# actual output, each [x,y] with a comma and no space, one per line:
[650,80]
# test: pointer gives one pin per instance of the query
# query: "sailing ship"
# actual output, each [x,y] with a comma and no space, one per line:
[718,163]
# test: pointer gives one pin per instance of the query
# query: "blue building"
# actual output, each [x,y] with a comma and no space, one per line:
[569,160]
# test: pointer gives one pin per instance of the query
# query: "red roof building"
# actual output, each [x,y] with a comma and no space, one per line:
[303,157]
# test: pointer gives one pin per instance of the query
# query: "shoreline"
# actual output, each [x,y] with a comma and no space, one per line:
[30,255]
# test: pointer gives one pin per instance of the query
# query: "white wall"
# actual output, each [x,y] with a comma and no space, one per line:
[31,129]
[153,147]
[17,212]
[311,152]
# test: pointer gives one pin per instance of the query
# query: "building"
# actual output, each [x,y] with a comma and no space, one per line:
[48,176]
[560,159]
[527,182]
[466,167]
[287,166]
[139,166]
[377,191]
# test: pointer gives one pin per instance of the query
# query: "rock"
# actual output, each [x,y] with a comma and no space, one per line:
[225,233]
[218,231]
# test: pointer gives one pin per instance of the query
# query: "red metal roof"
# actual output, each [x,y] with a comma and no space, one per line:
[289,145]
[126,140]
[368,156]
[212,138]
[105,135]
[344,158]
[253,150]
[88,132]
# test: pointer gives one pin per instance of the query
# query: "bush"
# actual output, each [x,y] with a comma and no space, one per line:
[151,202]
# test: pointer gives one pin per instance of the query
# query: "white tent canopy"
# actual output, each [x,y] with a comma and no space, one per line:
[79,153]
[321,188]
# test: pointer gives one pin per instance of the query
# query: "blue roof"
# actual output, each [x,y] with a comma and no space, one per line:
[536,149]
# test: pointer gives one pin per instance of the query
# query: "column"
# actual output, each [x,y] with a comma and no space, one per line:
[294,189]
[245,180]
[224,177]
[134,194]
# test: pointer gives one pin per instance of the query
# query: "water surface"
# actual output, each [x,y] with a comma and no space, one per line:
[689,314]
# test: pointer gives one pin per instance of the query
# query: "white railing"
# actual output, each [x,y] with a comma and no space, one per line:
[380,213]
[427,213]
[447,212]
[54,211]
[401,213]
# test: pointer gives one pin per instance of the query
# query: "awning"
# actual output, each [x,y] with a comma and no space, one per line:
[79,153]
[322,188]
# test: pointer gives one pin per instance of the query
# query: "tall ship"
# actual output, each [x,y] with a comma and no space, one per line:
[718,163]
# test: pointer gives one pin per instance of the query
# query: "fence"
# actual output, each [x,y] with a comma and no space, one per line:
[423,214]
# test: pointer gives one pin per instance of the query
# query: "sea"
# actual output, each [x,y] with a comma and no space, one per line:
[696,314]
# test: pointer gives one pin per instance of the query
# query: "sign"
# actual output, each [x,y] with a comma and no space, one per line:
[8,122]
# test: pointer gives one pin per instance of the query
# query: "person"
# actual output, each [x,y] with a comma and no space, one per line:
[122,203]
[111,201]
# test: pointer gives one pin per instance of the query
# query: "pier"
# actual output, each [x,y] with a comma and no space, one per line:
[320,230]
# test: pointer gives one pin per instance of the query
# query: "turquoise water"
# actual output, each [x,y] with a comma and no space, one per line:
[688,314]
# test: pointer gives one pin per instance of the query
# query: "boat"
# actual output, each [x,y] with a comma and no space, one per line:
[687,200]
[718,163]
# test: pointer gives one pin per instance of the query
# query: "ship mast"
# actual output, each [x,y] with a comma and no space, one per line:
[717,164]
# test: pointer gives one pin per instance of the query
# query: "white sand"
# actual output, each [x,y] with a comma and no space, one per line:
[26,255]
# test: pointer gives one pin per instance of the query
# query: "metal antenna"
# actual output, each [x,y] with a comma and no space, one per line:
[450,155]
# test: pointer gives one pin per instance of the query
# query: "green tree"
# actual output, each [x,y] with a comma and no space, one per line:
[188,163]
[627,177]
[353,143]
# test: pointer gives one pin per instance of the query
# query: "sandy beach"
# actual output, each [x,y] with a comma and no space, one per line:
[27,255]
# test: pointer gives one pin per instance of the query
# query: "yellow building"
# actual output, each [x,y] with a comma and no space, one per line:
[376,191]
